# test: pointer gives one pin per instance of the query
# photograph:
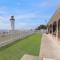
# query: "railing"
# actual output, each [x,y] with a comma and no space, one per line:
[6,38]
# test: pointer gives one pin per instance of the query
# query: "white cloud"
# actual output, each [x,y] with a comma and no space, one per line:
[43,4]
[5,23]
[26,26]
[26,16]
[3,10]
[1,18]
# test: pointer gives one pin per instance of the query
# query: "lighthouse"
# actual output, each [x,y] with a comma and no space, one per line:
[12,20]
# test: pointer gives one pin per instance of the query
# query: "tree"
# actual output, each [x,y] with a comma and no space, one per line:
[41,27]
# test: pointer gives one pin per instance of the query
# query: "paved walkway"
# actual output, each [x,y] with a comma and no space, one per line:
[50,47]
[29,57]
[46,48]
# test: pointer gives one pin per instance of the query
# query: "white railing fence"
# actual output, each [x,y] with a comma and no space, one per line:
[11,36]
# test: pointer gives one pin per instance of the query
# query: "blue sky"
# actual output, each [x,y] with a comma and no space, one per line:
[28,13]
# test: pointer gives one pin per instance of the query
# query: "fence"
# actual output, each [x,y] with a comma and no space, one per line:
[11,36]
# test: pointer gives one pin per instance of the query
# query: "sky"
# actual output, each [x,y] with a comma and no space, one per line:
[28,14]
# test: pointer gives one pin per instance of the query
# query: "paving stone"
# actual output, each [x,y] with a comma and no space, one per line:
[47,59]
[29,57]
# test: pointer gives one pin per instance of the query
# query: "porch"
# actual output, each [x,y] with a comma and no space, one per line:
[54,29]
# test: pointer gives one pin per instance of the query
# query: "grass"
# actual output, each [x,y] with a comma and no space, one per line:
[28,45]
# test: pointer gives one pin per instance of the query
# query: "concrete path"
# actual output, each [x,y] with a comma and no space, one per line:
[46,50]
[29,57]
[50,47]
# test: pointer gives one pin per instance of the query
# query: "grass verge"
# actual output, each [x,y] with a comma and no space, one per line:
[28,45]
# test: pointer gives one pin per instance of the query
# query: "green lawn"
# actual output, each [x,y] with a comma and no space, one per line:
[28,45]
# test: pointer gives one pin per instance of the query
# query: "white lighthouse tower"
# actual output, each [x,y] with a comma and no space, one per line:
[12,20]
